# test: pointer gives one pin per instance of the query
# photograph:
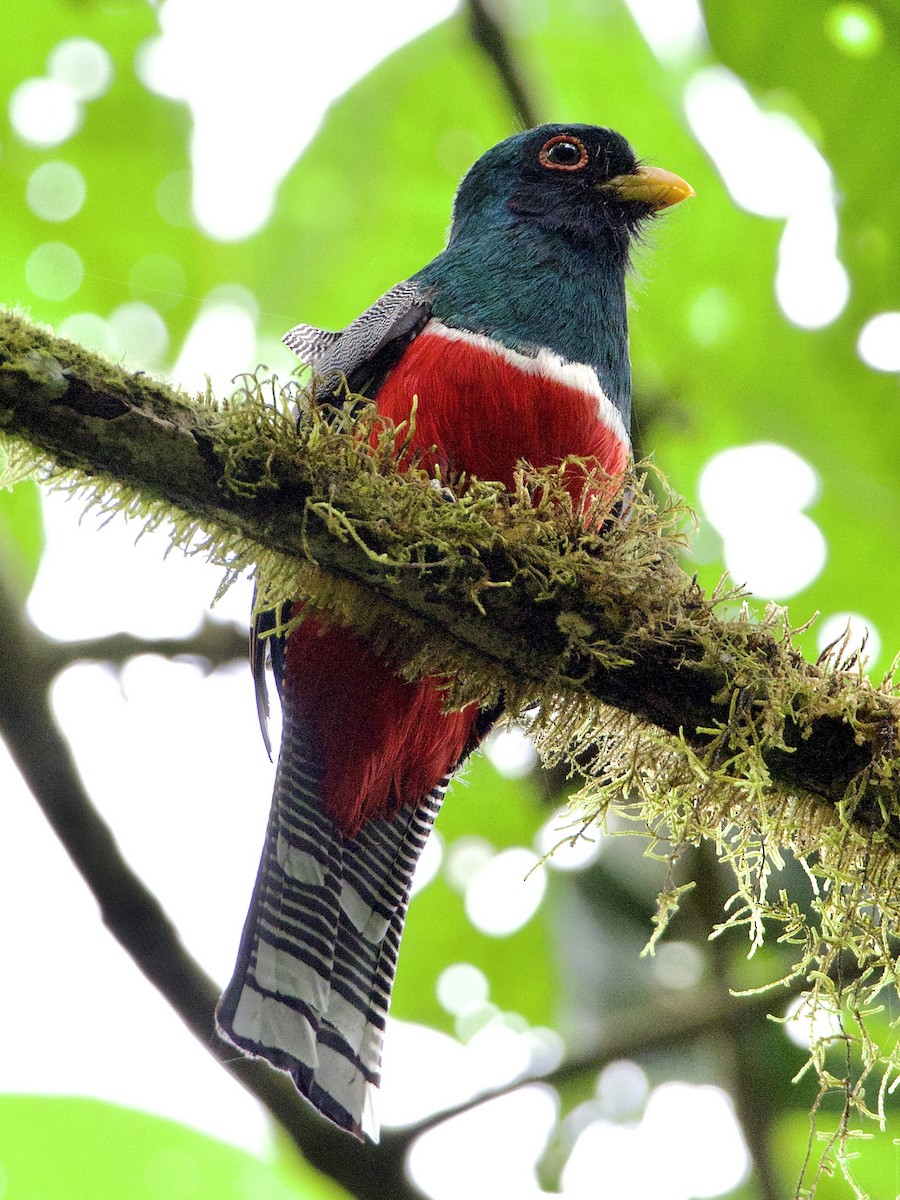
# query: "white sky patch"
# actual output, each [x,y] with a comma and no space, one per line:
[805,1025]
[54,271]
[861,629]
[511,751]
[677,965]
[429,863]
[772,168]
[466,856]
[764,480]
[139,336]
[622,1089]
[461,987]
[55,191]
[879,342]
[407,1048]
[498,1052]
[688,1145]
[251,122]
[501,1050]
[571,851]
[754,496]
[673,29]
[777,561]
[48,110]
[87,329]
[83,65]
[44,112]
[221,344]
[489,1151]
[92,581]
[811,284]
[499,898]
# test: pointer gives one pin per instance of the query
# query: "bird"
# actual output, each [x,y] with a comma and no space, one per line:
[513,341]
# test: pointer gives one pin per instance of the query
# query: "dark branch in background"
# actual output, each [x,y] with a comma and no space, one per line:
[138,922]
[215,644]
[488,33]
[638,1032]
[92,416]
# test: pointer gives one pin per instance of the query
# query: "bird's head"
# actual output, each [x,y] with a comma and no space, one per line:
[580,181]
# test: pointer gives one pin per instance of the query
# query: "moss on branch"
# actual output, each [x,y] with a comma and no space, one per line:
[692,725]
[511,589]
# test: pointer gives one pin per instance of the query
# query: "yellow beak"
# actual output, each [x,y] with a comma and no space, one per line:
[649,185]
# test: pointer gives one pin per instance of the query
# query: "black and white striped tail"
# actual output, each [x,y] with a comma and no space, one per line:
[316,965]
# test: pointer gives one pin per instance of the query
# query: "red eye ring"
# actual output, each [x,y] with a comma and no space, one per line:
[546,159]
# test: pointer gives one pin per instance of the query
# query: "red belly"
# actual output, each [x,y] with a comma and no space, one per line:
[384,742]
[483,414]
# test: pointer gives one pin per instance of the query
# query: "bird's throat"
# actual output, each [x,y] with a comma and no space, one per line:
[529,288]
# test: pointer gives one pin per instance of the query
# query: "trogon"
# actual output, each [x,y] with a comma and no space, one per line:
[514,343]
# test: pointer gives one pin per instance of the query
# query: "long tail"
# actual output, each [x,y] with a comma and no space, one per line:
[316,965]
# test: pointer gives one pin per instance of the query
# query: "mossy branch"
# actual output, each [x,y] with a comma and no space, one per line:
[518,597]
[694,725]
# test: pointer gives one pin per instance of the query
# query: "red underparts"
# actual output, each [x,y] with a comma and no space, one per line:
[381,741]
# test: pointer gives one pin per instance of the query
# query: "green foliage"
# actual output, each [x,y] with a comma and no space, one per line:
[504,812]
[130,145]
[716,364]
[70,1149]
[867,1171]
[810,390]
[21,533]
[369,201]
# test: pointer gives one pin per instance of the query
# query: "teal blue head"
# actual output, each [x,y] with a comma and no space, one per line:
[542,228]
[580,181]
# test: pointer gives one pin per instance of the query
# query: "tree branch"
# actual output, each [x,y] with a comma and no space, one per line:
[507,596]
[215,643]
[496,593]
[136,919]
[487,32]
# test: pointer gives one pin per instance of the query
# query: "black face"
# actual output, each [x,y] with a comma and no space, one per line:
[560,182]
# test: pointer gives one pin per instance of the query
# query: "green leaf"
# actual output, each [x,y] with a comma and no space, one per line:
[74,1148]
[872,1165]
[21,535]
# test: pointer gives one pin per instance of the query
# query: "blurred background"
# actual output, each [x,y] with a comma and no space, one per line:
[181,183]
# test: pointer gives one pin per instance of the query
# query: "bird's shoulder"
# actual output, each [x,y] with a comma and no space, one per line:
[365,350]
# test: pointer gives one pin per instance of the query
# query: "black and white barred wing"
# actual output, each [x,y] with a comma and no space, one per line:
[312,985]
[364,352]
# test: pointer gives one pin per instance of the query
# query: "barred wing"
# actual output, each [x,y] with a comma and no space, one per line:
[364,352]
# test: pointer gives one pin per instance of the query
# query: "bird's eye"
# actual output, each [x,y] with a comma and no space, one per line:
[563,153]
